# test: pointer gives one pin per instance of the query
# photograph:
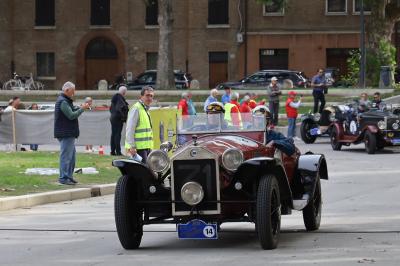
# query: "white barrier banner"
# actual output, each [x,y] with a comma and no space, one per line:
[37,127]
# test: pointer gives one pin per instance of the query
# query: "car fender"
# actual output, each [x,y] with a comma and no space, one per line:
[314,165]
[307,118]
[311,168]
[250,171]
[136,170]
[372,128]
[338,127]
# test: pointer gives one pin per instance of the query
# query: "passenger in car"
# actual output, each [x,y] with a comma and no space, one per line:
[273,138]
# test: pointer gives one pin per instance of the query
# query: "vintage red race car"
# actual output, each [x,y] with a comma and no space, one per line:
[218,174]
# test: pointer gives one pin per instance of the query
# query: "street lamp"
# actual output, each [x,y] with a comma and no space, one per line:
[362,46]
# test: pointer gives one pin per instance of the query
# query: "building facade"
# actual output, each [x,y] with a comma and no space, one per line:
[88,40]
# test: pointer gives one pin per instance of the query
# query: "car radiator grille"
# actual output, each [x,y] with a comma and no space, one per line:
[202,171]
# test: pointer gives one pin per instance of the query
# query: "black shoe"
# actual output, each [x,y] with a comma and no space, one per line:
[73,180]
[118,154]
[112,153]
[66,182]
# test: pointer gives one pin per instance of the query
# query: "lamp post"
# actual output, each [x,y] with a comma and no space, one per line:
[362,46]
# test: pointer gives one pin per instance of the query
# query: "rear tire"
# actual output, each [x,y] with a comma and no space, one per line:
[128,214]
[336,145]
[312,212]
[268,208]
[305,132]
[370,142]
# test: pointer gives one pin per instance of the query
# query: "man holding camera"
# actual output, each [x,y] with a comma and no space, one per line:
[319,85]
[66,130]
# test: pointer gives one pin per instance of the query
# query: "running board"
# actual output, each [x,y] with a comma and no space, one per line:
[301,203]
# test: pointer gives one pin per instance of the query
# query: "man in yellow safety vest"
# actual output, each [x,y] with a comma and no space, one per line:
[139,132]
[232,112]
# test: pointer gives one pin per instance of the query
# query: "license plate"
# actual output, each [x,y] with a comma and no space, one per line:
[197,229]
[315,131]
[396,141]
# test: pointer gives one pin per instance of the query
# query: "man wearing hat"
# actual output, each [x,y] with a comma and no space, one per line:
[291,113]
[273,91]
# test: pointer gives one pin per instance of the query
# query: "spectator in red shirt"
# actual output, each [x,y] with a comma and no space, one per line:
[291,113]
[245,108]
[183,104]
[253,100]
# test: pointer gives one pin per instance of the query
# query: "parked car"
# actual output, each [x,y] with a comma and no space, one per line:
[263,78]
[375,128]
[218,174]
[149,78]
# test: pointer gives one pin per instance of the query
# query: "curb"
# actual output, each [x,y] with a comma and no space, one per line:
[27,201]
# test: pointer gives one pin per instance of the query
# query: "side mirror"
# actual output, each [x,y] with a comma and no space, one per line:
[166,146]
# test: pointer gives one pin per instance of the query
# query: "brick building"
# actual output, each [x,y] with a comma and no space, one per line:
[88,40]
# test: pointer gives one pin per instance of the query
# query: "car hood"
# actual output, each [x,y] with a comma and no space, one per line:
[219,144]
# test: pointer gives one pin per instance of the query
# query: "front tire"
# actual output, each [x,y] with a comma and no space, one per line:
[370,142]
[312,212]
[305,133]
[268,208]
[128,214]
[336,145]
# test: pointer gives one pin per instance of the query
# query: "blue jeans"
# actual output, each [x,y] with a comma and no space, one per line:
[34,147]
[67,158]
[291,133]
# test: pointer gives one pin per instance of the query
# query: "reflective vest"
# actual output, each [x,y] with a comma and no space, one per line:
[143,132]
[228,116]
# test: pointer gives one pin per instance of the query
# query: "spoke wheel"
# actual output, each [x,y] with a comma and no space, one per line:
[128,214]
[268,217]
[305,132]
[312,212]
[336,145]
[370,142]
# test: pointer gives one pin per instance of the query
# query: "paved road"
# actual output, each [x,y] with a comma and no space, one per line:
[360,225]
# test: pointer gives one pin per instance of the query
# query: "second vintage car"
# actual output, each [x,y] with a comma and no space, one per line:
[216,174]
[375,128]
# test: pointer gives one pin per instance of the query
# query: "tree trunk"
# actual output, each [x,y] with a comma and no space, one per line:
[380,24]
[165,63]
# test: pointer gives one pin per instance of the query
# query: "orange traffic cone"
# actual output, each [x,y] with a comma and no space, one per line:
[101,150]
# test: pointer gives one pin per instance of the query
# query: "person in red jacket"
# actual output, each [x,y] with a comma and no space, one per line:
[183,104]
[291,113]
[244,107]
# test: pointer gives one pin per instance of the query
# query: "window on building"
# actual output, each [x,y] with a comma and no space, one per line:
[100,12]
[273,9]
[45,64]
[218,12]
[152,12]
[357,7]
[44,13]
[336,6]
[151,59]
[274,58]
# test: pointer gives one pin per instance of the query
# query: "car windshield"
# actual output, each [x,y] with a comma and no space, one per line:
[214,123]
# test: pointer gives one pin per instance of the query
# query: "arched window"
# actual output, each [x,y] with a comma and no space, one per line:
[101,48]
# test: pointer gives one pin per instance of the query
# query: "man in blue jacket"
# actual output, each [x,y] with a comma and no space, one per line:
[66,130]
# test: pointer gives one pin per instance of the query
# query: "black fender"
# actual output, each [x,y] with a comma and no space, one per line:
[250,171]
[310,164]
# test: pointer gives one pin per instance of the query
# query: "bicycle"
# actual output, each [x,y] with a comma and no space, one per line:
[23,83]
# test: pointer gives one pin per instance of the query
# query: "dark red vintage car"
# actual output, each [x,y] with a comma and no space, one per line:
[216,174]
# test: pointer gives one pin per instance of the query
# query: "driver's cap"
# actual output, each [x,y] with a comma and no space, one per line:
[261,110]
[215,107]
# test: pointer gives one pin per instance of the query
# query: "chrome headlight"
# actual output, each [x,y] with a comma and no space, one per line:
[382,125]
[158,161]
[192,193]
[232,159]
[395,126]
[332,117]
[317,117]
